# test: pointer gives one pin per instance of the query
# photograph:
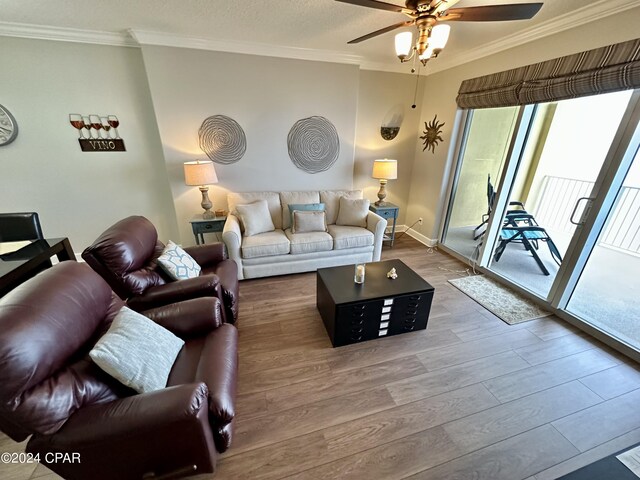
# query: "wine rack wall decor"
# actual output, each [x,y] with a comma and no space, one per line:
[101,133]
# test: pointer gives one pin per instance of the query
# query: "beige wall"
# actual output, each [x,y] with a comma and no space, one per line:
[428,187]
[79,194]
[380,95]
[266,96]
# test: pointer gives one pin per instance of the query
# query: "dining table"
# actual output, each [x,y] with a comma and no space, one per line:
[20,261]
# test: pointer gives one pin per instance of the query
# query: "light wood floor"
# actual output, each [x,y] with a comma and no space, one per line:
[470,397]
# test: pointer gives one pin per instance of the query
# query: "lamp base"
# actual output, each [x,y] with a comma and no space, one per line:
[382,193]
[206,203]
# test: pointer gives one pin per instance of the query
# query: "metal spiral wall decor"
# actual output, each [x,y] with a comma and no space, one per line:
[222,139]
[313,144]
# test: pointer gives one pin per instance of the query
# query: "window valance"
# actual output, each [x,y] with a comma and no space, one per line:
[602,70]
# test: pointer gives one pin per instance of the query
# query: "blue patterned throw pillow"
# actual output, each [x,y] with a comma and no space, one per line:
[178,264]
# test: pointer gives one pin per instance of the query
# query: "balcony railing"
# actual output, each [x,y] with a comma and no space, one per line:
[558,197]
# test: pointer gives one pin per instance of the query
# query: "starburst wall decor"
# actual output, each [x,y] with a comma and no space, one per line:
[432,134]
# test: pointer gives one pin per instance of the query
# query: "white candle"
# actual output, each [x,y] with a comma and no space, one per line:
[359,274]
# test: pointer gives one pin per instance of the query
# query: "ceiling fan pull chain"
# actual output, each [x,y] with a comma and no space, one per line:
[415,93]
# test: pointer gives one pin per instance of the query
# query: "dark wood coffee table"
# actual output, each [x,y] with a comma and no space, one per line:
[379,307]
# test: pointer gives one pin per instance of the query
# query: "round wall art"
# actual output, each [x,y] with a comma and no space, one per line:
[313,144]
[222,139]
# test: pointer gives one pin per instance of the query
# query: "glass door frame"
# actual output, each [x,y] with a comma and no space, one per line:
[612,174]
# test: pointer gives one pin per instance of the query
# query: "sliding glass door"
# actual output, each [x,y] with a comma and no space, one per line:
[546,198]
[483,156]
[607,294]
[558,166]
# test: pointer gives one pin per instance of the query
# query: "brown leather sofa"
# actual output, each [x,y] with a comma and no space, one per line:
[50,388]
[125,256]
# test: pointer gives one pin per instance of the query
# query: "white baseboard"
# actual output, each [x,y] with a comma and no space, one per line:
[429,242]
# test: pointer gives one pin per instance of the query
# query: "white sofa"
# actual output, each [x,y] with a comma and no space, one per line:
[281,252]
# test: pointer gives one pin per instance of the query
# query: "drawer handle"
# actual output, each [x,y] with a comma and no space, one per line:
[412,312]
[416,297]
[357,330]
[357,322]
[413,305]
[409,329]
[410,321]
[357,314]
[208,227]
[357,339]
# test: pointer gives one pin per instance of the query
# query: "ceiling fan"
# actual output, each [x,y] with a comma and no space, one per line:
[427,15]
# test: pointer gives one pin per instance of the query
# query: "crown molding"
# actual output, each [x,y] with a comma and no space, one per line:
[60,34]
[136,38]
[576,18]
[250,48]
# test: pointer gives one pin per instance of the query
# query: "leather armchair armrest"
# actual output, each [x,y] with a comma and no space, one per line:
[193,317]
[202,286]
[208,254]
[158,432]
[232,238]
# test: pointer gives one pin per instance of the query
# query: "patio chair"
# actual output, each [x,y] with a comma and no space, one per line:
[520,212]
[529,236]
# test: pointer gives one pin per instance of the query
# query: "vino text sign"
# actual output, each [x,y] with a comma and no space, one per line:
[114,145]
[97,133]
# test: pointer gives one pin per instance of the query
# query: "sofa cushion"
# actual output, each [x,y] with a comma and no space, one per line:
[304,222]
[309,242]
[331,200]
[137,352]
[177,263]
[350,237]
[255,218]
[353,212]
[243,198]
[304,207]
[265,244]
[297,198]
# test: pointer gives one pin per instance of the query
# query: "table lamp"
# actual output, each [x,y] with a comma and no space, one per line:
[384,170]
[201,173]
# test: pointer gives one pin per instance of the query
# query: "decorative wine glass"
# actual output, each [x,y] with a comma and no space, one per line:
[115,123]
[96,124]
[87,125]
[105,126]
[76,122]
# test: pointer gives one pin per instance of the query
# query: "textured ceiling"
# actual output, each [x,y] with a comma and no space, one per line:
[323,25]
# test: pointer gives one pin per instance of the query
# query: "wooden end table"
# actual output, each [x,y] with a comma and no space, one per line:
[200,226]
[387,211]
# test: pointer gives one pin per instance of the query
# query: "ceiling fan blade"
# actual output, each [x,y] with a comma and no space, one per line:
[375,4]
[442,5]
[381,31]
[492,13]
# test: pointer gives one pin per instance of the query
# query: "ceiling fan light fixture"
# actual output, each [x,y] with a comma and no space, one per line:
[439,36]
[404,41]
[427,54]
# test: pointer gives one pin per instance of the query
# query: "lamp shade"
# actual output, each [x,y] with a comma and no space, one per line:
[439,36]
[403,44]
[385,169]
[200,172]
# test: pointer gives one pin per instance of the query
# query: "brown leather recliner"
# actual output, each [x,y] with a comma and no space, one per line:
[50,388]
[125,256]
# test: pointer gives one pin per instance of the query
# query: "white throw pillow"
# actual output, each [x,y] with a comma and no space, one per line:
[137,352]
[178,264]
[305,221]
[353,212]
[255,218]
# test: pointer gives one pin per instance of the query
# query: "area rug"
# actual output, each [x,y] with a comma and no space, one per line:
[499,300]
